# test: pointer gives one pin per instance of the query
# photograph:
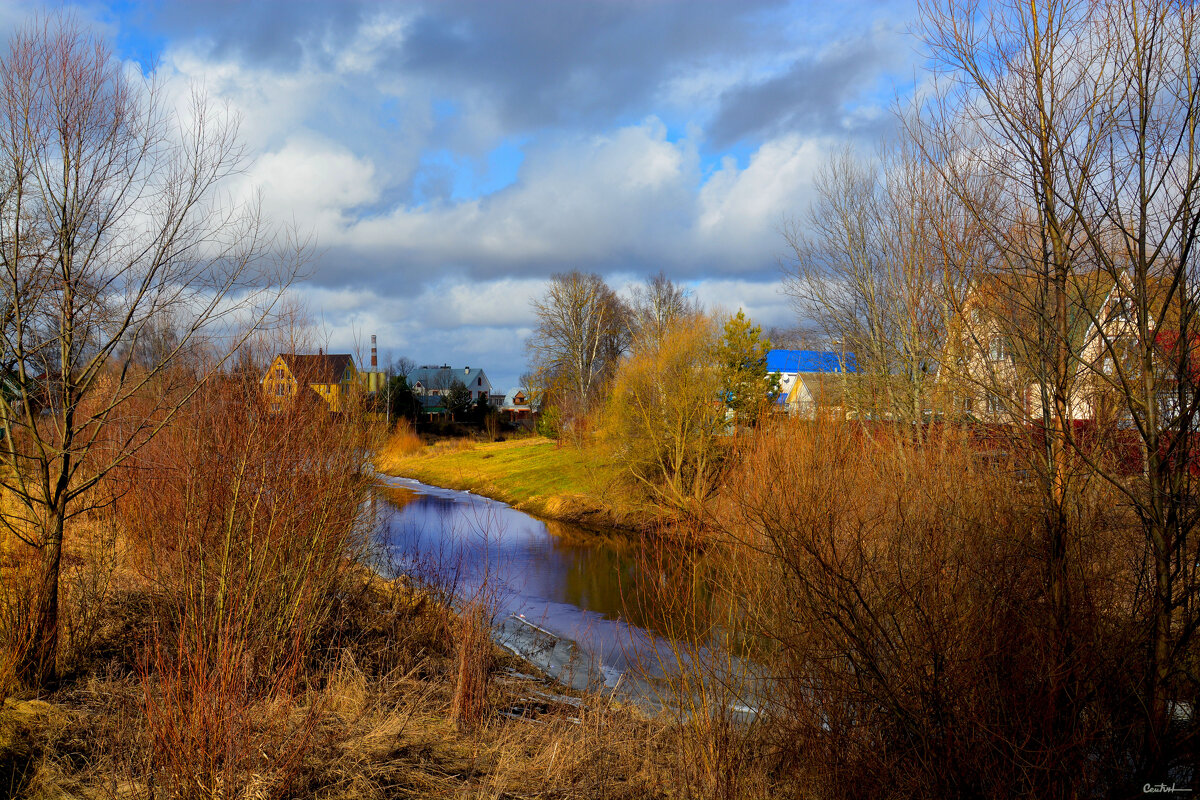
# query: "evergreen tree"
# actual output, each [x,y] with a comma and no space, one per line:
[403,399]
[458,399]
[741,355]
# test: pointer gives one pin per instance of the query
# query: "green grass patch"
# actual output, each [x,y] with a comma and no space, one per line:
[534,474]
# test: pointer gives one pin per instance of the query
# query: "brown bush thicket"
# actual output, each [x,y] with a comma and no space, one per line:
[886,605]
[247,524]
[83,138]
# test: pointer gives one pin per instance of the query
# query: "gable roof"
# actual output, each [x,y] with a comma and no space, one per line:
[321,368]
[443,377]
[510,399]
[810,361]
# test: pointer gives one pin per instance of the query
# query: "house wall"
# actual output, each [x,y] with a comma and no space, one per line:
[978,376]
[278,385]
[970,373]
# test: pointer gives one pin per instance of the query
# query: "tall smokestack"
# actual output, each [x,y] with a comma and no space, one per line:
[374,355]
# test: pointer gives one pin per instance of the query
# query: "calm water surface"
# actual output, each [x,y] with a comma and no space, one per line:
[571,582]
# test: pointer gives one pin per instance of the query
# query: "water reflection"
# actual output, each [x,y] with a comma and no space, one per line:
[577,584]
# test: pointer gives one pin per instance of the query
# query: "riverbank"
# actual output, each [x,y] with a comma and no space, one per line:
[534,474]
[374,718]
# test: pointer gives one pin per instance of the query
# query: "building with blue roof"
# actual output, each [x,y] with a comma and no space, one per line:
[809,378]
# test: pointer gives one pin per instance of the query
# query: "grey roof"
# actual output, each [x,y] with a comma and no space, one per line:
[443,377]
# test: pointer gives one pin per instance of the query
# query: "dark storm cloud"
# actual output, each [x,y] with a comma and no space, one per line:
[277,33]
[541,63]
[815,95]
[575,63]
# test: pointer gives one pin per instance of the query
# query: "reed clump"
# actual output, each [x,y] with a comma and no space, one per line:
[475,657]
[403,441]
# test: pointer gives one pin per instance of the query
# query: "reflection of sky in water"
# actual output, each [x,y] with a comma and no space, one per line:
[572,590]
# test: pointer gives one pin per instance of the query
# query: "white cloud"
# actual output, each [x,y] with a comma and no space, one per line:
[605,201]
[761,300]
[337,142]
[581,200]
[740,210]
[315,181]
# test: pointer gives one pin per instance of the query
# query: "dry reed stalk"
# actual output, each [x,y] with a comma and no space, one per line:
[474,667]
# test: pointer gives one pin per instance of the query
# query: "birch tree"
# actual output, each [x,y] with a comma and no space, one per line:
[581,334]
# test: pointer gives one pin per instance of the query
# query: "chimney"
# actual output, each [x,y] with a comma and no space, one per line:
[374,355]
[320,351]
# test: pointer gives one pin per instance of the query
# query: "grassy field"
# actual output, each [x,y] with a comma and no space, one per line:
[534,474]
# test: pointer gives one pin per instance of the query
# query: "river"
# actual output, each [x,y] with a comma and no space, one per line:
[564,599]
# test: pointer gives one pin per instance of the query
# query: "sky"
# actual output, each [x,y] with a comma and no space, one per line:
[450,156]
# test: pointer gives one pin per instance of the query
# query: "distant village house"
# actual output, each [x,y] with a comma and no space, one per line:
[294,376]
[432,383]
[517,404]
[810,379]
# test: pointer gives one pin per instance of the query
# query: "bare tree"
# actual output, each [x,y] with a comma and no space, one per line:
[1138,205]
[1068,132]
[402,366]
[876,267]
[112,231]
[657,305]
[581,334]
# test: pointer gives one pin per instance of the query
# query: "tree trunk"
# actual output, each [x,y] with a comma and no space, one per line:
[38,665]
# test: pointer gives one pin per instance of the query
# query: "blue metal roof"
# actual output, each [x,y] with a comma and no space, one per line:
[809,361]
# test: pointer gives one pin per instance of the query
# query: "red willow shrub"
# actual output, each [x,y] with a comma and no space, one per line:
[247,524]
[893,597]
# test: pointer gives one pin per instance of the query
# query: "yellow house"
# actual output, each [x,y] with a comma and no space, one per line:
[328,376]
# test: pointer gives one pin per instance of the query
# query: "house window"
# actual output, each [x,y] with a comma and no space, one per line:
[479,381]
[993,403]
[279,372]
[279,389]
[968,404]
[997,349]
[1108,366]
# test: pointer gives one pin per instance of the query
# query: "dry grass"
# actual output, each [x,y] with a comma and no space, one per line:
[404,441]
[377,705]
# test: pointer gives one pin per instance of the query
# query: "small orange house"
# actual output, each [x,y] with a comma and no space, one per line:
[328,376]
